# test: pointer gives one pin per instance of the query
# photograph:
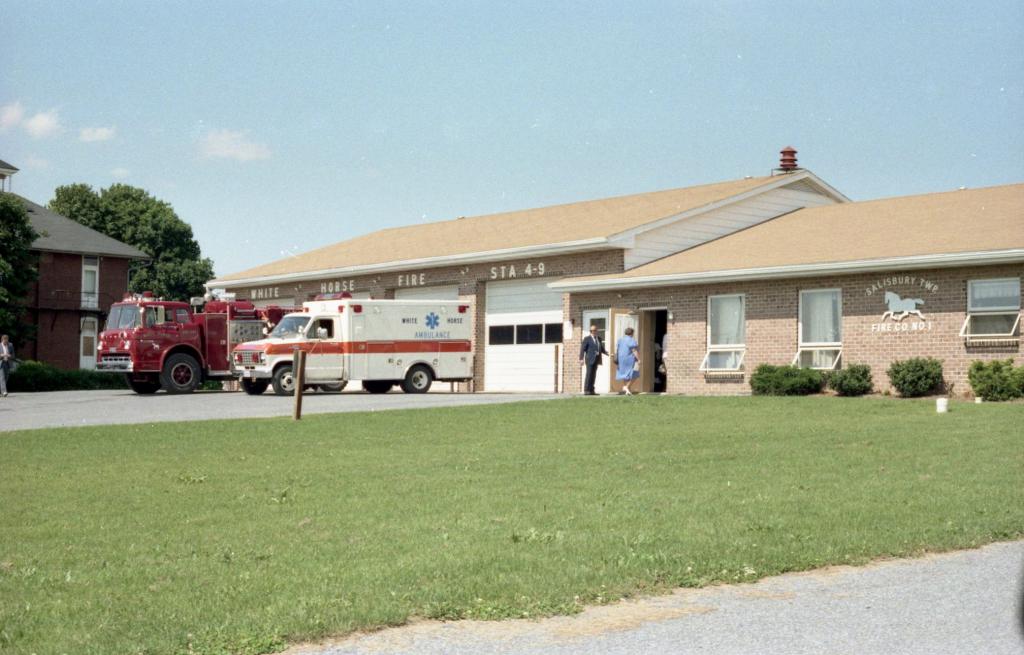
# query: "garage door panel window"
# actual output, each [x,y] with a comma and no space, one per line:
[726,333]
[993,309]
[501,335]
[524,334]
[820,340]
[529,334]
[553,333]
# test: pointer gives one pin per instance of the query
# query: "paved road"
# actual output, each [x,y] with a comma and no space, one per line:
[953,604]
[24,411]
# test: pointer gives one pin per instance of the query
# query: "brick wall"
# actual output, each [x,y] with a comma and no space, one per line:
[55,306]
[772,316]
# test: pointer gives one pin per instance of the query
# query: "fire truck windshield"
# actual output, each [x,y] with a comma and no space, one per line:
[290,326]
[123,317]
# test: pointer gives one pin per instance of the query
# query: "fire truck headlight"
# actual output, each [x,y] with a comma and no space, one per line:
[263,357]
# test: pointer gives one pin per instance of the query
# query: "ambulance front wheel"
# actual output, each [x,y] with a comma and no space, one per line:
[377,386]
[284,381]
[254,387]
[417,380]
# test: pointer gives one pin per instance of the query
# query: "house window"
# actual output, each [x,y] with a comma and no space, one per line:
[820,338]
[726,333]
[993,309]
[90,282]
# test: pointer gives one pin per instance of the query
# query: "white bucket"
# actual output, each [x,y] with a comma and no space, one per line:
[942,405]
[978,400]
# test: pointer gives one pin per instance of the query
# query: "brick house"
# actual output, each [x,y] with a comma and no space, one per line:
[502,264]
[81,272]
[935,275]
[783,264]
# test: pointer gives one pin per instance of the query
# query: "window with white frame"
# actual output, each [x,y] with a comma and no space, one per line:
[726,333]
[820,329]
[90,282]
[993,309]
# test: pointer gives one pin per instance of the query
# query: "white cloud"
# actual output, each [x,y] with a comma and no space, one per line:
[43,124]
[228,144]
[120,173]
[10,115]
[89,134]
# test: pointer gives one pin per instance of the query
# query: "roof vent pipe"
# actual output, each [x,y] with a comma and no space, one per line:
[787,162]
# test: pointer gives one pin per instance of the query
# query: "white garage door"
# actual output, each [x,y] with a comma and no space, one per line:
[524,327]
[428,293]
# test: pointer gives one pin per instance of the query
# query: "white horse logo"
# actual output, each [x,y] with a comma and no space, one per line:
[900,308]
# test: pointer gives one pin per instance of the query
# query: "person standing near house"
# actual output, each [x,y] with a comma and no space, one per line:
[590,354]
[627,358]
[6,361]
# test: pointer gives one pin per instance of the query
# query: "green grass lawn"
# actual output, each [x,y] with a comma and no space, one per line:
[239,537]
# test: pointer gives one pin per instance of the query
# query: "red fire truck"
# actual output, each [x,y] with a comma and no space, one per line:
[160,343]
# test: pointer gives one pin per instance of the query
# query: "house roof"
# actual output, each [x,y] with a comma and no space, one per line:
[932,229]
[7,168]
[61,234]
[581,226]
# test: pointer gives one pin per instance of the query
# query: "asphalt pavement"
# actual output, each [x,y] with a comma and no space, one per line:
[962,603]
[24,411]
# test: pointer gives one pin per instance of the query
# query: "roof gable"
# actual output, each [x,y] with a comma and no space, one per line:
[926,226]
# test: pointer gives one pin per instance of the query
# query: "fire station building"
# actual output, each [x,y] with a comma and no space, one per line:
[720,277]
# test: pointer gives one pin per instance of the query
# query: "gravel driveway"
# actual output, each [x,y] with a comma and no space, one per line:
[952,604]
[22,411]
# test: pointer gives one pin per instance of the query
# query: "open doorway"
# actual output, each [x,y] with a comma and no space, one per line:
[653,325]
[649,326]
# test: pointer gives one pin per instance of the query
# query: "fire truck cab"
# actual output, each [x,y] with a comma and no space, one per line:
[382,343]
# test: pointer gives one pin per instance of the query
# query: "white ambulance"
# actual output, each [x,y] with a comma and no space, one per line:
[410,343]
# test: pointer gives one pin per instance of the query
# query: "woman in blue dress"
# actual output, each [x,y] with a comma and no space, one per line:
[627,359]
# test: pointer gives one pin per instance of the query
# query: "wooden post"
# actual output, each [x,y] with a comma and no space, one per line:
[299,375]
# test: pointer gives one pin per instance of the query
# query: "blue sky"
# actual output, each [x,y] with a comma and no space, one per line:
[274,128]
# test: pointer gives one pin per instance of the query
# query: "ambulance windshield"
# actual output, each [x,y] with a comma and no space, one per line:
[290,326]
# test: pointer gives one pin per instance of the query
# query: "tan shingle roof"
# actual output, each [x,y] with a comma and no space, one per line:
[519,229]
[973,220]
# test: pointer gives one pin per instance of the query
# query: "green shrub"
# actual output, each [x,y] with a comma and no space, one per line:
[37,376]
[769,380]
[211,385]
[996,380]
[1018,380]
[916,377]
[854,380]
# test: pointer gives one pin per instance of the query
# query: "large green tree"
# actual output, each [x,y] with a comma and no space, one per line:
[130,214]
[17,267]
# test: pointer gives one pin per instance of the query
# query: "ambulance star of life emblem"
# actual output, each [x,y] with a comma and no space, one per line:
[432,320]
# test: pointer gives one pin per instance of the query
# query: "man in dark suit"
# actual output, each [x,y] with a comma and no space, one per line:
[590,353]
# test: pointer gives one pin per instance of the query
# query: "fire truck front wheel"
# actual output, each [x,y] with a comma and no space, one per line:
[284,381]
[254,387]
[143,387]
[417,380]
[180,374]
